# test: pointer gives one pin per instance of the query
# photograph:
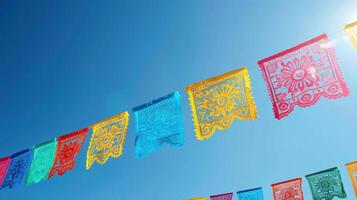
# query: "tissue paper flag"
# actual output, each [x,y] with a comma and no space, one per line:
[327,184]
[18,168]
[158,122]
[287,190]
[107,139]
[68,147]
[43,157]
[217,101]
[301,75]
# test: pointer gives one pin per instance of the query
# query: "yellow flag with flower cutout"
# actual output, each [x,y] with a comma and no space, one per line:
[107,139]
[217,101]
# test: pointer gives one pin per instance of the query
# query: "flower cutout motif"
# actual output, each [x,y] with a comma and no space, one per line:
[106,139]
[220,100]
[325,184]
[68,152]
[289,194]
[298,74]
[160,121]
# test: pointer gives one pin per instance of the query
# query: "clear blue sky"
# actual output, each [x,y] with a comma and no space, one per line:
[67,64]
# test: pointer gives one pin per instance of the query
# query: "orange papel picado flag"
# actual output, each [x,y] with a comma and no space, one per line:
[352,171]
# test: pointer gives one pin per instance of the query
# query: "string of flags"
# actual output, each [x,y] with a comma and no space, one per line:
[299,76]
[325,185]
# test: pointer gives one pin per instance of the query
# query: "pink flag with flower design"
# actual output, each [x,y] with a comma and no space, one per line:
[68,147]
[301,75]
[4,164]
[227,196]
[288,190]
